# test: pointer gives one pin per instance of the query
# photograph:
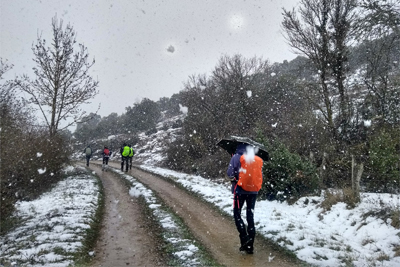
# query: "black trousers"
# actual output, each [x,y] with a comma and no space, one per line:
[238,202]
[105,160]
[126,161]
[87,160]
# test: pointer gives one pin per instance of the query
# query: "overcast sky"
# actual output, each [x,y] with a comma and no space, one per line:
[146,48]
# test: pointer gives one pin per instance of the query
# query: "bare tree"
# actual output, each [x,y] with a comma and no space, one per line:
[234,78]
[7,96]
[379,27]
[4,67]
[323,34]
[12,111]
[379,15]
[62,80]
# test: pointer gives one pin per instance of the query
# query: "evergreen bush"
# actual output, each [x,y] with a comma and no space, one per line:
[384,162]
[287,176]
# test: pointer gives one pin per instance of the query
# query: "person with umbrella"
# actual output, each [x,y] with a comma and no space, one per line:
[245,171]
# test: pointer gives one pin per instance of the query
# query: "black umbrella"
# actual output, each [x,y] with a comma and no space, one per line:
[230,145]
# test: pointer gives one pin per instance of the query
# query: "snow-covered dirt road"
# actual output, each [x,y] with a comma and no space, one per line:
[215,231]
[125,238]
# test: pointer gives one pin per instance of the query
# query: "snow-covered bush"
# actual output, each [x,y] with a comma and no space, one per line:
[287,176]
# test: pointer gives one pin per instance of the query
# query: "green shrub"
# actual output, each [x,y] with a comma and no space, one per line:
[383,162]
[287,176]
[177,157]
[194,157]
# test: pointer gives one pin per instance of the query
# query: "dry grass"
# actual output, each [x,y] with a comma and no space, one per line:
[396,251]
[383,257]
[385,213]
[350,198]
[333,197]
[395,216]
[367,241]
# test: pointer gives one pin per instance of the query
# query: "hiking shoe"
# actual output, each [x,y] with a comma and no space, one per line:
[249,250]
[245,244]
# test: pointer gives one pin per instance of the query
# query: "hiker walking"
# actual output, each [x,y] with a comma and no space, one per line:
[245,171]
[131,153]
[125,151]
[106,154]
[88,153]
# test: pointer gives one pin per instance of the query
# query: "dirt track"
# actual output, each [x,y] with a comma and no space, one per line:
[124,239]
[218,234]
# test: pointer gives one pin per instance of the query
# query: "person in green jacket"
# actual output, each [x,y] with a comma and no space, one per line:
[125,151]
[131,153]
[88,153]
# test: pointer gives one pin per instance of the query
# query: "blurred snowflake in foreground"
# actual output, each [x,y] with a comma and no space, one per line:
[171,49]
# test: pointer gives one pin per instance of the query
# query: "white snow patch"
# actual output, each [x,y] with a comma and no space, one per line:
[367,123]
[57,220]
[319,238]
[134,192]
[111,137]
[183,109]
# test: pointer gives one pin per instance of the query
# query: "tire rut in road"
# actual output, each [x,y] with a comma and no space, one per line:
[125,239]
[217,233]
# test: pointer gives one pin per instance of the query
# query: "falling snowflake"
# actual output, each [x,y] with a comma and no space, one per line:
[171,49]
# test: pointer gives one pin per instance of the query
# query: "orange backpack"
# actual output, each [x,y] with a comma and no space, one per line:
[250,177]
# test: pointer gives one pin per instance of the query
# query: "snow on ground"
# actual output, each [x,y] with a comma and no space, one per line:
[53,225]
[150,149]
[56,222]
[339,237]
[185,251]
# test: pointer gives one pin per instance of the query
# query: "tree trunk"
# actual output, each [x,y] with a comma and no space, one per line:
[356,173]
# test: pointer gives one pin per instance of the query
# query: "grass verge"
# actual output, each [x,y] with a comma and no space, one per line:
[83,256]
